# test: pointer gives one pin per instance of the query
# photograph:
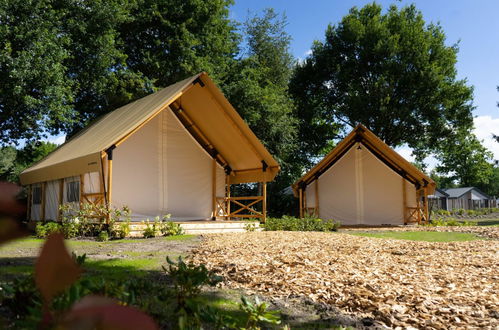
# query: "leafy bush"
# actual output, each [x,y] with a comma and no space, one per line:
[257,313]
[151,230]
[442,212]
[169,228]
[121,230]
[103,236]
[43,230]
[473,213]
[449,222]
[188,279]
[89,220]
[287,223]
[249,227]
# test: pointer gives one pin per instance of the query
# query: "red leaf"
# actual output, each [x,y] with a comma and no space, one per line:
[94,312]
[9,230]
[55,270]
[10,205]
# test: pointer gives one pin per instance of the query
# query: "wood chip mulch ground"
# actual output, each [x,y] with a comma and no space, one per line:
[399,283]
[482,231]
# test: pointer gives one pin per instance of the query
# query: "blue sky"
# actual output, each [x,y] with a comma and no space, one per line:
[474,23]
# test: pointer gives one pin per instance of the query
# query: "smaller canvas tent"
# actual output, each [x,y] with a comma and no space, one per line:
[176,151]
[362,181]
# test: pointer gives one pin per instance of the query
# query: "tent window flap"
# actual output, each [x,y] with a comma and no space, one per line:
[73,191]
[37,195]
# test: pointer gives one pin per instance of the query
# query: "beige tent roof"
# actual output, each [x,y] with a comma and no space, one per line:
[380,149]
[202,108]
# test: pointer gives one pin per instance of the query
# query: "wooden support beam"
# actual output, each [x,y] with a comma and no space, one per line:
[300,192]
[317,198]
[227,194]
[61,199]
[304,202]
[82,179]
[43,201]
[214,188]
[109,185]
[30,201]
[404,201]
[425,203]
[264,205]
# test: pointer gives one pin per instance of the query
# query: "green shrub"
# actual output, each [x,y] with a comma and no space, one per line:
[43,230]
[121,230]
[188,279]
[103,236]
[449,222]
[288,223]
[257,314]
[89,220]
[150,230]
[249,227]
[442,212]
[169,228]
[472,212]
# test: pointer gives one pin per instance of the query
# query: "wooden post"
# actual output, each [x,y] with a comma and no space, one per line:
[404,202]
[317,198]
[43,201]
[418,196]
[227,195]
[264,202]
[304,197]
[109,181]
[61,199]
[214,189]
[425,203]
[28,209]
[300,192]
[81,189]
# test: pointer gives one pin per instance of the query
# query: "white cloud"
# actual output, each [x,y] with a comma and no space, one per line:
[405,152]
[308,52]
[58,139]
[485,126]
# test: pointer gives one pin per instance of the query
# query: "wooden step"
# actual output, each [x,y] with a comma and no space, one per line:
[201,227]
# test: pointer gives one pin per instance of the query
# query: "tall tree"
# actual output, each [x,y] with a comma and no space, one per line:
[257,86]
[389,71]
[13,161]
[465,160]
[64,63]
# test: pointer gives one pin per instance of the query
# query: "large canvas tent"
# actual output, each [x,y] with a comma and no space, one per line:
[362,181]
[176,151]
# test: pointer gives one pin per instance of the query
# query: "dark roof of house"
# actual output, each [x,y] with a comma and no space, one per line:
[458,192]
[442,192]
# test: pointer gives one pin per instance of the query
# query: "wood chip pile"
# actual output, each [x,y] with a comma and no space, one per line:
[482,231]
[400,283]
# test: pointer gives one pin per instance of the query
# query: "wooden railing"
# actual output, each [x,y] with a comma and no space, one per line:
[240,207]
[414,215]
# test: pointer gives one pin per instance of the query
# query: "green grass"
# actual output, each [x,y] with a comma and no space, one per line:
[179,237]
[426,236]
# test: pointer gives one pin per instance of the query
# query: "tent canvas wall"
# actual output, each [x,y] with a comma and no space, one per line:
[364,182]
[173,152]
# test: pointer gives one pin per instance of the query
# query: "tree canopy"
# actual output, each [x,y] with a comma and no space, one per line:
[64,63]
[391,72]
